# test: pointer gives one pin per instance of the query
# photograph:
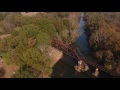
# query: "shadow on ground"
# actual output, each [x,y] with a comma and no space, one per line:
[64,68]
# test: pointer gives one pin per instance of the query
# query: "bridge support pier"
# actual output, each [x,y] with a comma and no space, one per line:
[96,72]
[86,68]
[78,67]
[81,67]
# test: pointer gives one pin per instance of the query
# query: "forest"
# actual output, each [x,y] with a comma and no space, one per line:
[103,31]
[29,38]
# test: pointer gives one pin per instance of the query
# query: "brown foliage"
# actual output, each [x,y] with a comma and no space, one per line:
[31,42]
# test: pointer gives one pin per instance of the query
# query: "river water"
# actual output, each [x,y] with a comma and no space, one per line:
[82,42]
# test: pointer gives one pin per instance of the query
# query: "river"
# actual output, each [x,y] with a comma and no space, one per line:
[65,66]
[82,42]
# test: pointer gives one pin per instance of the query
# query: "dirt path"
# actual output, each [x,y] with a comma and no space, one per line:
[5,35]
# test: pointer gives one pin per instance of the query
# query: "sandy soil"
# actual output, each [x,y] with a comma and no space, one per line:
[10,69]
[5,35]
[29,13]
[54,54]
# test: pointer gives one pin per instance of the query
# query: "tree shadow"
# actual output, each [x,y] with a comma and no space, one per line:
[64,68]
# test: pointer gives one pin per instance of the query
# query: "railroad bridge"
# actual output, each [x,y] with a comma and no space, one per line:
[73,52]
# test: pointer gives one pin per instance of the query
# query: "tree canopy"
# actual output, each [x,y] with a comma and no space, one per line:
[104,37]
[30,38]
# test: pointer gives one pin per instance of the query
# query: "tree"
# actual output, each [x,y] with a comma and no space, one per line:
[29,31]
[1,31]
[2,16]
[34,58]
[15,31]
[59,25]
[43,41]
[14,43]
[45,24]
[4,44]
[108,55]
[99,55]
[27,72]
[63,14]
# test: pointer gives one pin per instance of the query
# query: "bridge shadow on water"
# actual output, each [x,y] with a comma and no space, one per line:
[64,68]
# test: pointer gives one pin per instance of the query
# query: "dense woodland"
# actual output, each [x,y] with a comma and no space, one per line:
[103,30]
[27,46]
